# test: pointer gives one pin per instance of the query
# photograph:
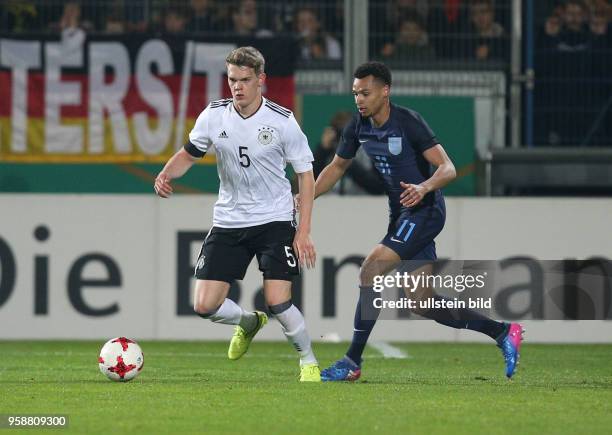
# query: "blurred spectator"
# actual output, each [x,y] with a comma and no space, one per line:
[203,17]
[70,20]
[447,22]
[72,28]
[574,35]
[18,16]
[175,20]
[333,19]
[244,20]
[283,16]
[315,43]
[553,24]
[223,15]
[136,15]
[386,18]
[71,16]
[361,177]
[548,39]
[326,149]
[114,18]
[451,13]
[601,47]
[599,20]
[569,91]
[488,36]
[398,9]
[412,42]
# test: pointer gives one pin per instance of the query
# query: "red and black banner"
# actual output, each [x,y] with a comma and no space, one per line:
[118,99]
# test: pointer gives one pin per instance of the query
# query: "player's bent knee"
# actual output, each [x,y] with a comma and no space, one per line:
[280,308]
[205,310]
[366,274]
[209,296]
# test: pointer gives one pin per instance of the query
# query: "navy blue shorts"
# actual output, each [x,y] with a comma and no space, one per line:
[411,234]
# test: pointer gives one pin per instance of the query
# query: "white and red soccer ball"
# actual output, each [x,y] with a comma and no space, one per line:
[121,359]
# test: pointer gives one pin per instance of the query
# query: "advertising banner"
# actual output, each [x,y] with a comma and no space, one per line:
[118,99]
[97,266]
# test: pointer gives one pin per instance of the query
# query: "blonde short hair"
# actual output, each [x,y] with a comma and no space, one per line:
[247,56]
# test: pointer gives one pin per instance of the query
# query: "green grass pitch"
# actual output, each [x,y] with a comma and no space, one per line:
[189,387]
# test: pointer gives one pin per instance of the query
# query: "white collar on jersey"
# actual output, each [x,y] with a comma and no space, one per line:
[261,103]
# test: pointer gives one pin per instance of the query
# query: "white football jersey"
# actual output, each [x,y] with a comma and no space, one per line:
[251,156]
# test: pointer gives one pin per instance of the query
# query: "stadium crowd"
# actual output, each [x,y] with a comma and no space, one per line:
[572,46]
[399,29]
[573,71]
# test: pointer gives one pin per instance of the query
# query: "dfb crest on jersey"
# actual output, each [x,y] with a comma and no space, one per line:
[265,135]
[395,145]
[201,262]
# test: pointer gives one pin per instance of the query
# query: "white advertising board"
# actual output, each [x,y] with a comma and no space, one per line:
[97,266]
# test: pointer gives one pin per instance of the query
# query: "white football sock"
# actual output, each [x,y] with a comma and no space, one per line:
[294,328]
[229,313]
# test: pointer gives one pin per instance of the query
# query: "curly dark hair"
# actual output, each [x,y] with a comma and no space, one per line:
[376,69]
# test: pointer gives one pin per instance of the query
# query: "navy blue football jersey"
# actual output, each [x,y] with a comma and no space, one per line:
[396,149]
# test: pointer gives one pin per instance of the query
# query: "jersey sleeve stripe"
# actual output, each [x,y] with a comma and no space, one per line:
[277,105]
[281,108]
[286,115]
[193,150]
[220,103]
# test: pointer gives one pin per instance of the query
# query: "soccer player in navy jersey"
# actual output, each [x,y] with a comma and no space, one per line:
[403,149]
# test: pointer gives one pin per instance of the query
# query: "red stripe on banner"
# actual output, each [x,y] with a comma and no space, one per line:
[279,89]
[451,8]
[5,94]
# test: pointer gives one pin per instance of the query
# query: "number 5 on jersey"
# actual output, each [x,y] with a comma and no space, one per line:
[243,155]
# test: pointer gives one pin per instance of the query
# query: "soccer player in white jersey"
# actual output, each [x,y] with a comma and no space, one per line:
[254,215]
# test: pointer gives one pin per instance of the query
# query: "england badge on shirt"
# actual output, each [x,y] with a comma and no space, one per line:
[395,145]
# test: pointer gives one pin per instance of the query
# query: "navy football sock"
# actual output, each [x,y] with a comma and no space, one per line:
[365,319]
[464,318]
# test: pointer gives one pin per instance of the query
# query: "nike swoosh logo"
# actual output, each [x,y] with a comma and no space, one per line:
[393,239]
[363,140]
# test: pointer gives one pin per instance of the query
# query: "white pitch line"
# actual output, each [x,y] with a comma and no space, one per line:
[389,351]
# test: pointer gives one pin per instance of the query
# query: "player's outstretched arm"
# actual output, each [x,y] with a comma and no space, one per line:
[444,174]
[330,175]
[176,167]
[302,243]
